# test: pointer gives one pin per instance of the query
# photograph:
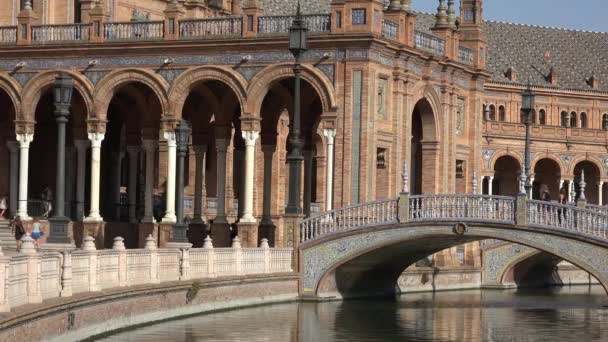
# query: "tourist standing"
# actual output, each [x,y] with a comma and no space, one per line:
[2,206]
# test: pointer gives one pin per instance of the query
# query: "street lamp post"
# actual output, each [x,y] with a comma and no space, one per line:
[182,134]
[297,46]
[62,98]
[527,107]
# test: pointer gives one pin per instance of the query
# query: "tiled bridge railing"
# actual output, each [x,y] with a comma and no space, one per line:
[457,208]
[30,277]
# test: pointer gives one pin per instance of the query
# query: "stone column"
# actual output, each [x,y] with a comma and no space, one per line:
[96,139]
[330,134]
[220,229]
[250,138]
[199,181]
[571,193]
[81,160]
[24,140]
[13,148]
[600,193]
[308,155]
[490,185]
[268,153]
[115,201]
[532,184]
[150,149]
[71,179]
[133,152]
[170,185]
[561,185]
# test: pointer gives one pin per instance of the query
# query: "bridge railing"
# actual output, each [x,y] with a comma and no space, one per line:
[567,217]
[485,208]
[348,218]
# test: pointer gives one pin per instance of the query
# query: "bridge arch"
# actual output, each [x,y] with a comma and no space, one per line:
[369,261]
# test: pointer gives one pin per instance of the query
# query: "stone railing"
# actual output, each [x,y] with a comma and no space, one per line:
[42,34]
[344,219]
[567,217]
[8,35]
[31,276]
[281,24]
[389,29]
[211,28]
[465,55]
[429,43]
[602,209]
[136,30]
[462,208]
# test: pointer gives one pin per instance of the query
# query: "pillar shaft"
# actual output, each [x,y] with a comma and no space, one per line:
[96,139]
[330,135]
[150,148]
[60,169]
[490,185]
[115,201]
[308,155]
[250,138]
[268,153]
[13,148]
[81,159]
[24,151]
[571,193]
[199,179]
[132,188]
[600,193]
[170,185]
[221,147]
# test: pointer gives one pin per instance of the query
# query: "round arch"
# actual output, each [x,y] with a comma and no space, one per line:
[34,88]
[427,92]
[262,81]
[185,82]
[538,157]
[505,153]
[13,90]
[590,159]
[108,85]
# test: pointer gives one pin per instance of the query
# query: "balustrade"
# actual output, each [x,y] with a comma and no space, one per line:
[42,34]
[31,277]
[138,30]
[567,217]
[389,29]
[357,216]
[281,24]
[210,28]
[462,208]
[429,43]
[465,55]
[8,35]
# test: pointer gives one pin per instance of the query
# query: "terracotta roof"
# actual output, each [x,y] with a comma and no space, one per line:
[531,50]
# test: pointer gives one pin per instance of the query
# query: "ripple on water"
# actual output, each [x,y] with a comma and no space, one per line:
[552,315]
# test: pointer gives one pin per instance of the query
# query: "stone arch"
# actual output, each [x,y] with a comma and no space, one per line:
[428,93]
[497,155]
[184,83]
[108,85]
[13,90]
[262,81]
[588,158]
[363,262]
[551,156]
[500,277]
[33,91]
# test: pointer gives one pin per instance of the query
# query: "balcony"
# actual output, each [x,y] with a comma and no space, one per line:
[389,29]
[228,27]
[429,43]
[316,23]
[465,55]
[43,34]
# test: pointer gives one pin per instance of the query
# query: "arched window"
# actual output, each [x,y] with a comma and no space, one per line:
[542,117]
[605,121]
[583,120]
[573,121]
[501,113]
[492,113]
[564,119]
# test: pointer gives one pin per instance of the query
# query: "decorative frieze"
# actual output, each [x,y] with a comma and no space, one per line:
[170,74]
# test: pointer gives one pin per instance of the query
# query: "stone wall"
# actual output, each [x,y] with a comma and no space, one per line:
[424,279]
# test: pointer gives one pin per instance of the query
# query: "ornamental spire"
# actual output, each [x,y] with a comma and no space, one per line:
[442,15]
[582,186]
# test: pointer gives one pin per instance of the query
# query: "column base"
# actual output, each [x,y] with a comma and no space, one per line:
[221,234]
[197,232]
[178,245]
[169,219]
[248,234]
[58,247]
[93,218]
[93,229]
[58,231]
[267,231]
[164,234]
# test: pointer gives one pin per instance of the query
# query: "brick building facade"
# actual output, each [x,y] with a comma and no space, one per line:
[383,87]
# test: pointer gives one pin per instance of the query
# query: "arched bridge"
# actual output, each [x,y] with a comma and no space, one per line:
[361,250]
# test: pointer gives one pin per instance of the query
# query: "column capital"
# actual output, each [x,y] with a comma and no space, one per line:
[171,139]
[269,148]
[133,150]
[221,145]
[149,145]
[96,139]
[81,145]
[199,149]
[25,139]
[330,134]
[250,137]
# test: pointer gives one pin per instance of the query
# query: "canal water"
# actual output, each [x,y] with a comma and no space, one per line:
[558,314]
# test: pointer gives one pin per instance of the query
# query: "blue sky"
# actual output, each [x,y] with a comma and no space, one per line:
[574,14]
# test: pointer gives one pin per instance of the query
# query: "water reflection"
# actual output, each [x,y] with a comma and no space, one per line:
[559,314]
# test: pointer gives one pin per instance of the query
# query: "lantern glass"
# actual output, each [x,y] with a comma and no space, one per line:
[527,100]
[182,132]
[62,89]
